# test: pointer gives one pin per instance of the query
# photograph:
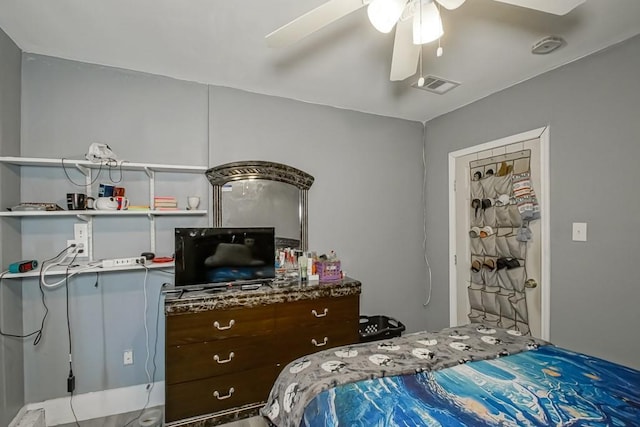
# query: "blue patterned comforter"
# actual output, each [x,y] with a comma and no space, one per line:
[541,387]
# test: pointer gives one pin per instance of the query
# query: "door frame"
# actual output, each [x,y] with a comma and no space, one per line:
[545,221]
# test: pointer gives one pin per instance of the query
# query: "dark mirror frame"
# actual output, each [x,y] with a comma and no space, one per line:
[257,169]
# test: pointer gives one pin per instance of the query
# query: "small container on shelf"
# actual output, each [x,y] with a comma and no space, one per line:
[328,271]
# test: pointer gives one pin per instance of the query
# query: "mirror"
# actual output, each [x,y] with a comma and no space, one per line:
[262,194]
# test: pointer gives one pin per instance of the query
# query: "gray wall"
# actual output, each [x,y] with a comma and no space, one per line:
[144,118]
[11,364]
[365,204]
[592,107]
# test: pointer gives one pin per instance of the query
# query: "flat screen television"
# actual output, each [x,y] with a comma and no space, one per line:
[222,255]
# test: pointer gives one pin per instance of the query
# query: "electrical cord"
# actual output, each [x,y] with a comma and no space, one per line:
[109,163]
[146,328]
[424,214]
[71,379]
[155,352]
[45,268]
[64,169]
[38,334]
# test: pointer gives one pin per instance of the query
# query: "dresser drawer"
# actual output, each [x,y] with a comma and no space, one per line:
[312,340]
[319,312]
[201,360]
[194,398]
[219,324]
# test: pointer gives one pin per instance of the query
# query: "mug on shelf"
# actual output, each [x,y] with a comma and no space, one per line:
[123,203]
[106,204]
[76,201]
[119,191]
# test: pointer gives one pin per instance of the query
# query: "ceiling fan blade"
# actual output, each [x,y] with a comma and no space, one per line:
[312,21]
[557,7]
[405,54]
[450,4]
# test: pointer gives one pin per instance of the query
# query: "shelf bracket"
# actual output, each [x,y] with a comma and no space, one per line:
[152,233]
[87,177]
[85,218]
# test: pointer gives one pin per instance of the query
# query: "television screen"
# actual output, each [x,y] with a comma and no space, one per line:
[214,256]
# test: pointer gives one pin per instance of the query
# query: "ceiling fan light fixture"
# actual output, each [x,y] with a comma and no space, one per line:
[427,25]
[451,4]
[384,14]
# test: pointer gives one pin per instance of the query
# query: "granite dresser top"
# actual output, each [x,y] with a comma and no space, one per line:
[177,302]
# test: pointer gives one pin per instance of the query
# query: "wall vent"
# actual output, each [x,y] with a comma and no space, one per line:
[436,85]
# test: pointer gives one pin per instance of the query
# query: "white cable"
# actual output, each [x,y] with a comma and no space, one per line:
[424,213]
[61,281]
[146,328]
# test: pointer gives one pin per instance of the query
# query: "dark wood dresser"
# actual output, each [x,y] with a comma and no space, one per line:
[225,349]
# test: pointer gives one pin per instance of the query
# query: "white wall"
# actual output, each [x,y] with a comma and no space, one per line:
[592,107]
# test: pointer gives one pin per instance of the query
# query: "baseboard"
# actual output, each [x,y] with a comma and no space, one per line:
[101,403]
[18,417]
[27,418]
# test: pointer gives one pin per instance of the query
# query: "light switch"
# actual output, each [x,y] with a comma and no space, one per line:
[579,231]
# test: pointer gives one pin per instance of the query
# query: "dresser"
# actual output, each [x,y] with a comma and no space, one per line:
[224,349]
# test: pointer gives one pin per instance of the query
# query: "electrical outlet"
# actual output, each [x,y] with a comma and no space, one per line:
[72,250]
[81,236]
[128,357]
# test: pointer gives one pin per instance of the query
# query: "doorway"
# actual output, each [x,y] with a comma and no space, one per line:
[537,260]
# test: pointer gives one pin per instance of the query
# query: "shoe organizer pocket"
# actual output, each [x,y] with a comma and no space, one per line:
[476,316]
[489,187]
[514,215]
[490,300]
[492,320]
[475,299]
[489,245]
[477,191]
[506,309]
[476,246]
[502,185]
[502,247]
[503,280]
[476,220]
[519,303]
[489,217]
[490,277]
[476,278]
[503,217]
[511,279]
[517,248]
[507,323]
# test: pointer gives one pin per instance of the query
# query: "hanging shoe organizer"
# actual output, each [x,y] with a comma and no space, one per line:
[502,205]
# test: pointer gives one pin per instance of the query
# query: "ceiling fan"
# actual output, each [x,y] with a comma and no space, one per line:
[417,22]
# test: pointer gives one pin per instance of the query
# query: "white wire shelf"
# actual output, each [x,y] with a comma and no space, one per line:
[133,212]
[86,268]
[125,165]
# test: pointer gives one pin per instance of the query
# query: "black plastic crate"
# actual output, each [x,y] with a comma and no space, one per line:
[373,328]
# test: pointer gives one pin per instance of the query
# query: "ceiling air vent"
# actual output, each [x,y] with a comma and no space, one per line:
[436,85]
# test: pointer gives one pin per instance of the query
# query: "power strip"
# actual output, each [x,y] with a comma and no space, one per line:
[123,262]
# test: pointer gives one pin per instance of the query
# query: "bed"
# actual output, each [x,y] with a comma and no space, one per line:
[463,376]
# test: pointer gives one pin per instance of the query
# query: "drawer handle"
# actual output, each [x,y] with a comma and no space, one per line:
[317,344]
[217,395]
[217,358]
[315,313]
[216,324]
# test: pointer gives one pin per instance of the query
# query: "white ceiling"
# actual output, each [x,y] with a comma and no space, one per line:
[486,46]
